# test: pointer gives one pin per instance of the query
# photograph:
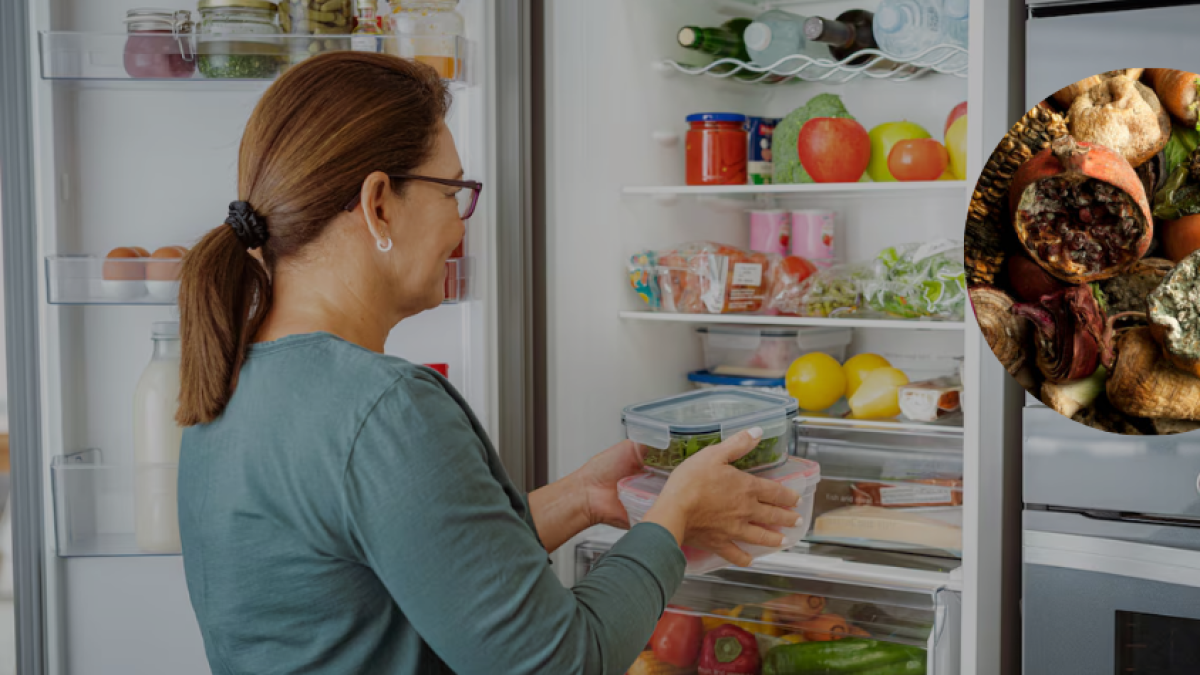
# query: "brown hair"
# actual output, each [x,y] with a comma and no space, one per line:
[316,134]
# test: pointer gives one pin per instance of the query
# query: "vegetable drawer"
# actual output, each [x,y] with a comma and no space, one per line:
[897,490]
[803,614]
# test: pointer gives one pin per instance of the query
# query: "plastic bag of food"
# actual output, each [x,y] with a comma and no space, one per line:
[834,291]
[919,280]
[702,278]
[787,283]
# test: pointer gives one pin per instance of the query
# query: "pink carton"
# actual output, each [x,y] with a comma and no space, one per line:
[769,231]
[813,236]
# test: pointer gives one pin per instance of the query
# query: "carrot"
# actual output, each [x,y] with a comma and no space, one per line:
[797,608]
[1178,91]
[825,628]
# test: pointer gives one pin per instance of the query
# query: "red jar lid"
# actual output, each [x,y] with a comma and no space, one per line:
[441,368]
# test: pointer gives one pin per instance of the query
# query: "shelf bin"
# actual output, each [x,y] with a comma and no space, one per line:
[890,489]
[776,602]
[96,507]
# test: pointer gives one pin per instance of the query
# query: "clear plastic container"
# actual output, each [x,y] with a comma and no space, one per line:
[239,40]
[677,427]
[638,494]
[430,32]
[767,352]
[329,22]
[703,379]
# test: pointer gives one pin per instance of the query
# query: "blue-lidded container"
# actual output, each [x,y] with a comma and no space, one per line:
[704,379]
[677,427]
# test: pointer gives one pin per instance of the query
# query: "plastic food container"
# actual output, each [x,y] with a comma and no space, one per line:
[638,493]
[703,379]
[677,427]
[767,352]
[717,145]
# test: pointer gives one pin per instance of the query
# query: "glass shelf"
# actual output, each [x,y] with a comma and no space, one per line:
[78,56]
[93,280]
[945,59]
[897,188]
[759,320]
[96,509]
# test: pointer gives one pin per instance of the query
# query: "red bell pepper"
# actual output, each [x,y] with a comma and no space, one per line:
[729,650]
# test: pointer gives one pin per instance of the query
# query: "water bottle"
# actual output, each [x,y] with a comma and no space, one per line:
[905,28]
[777,34]
[957,13]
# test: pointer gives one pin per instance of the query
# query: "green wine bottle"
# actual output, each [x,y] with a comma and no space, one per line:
[722,42]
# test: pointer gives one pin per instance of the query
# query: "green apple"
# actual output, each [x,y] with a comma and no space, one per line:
[883,137]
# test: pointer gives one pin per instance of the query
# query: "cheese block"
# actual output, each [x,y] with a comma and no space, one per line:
[879,524]
[927,401]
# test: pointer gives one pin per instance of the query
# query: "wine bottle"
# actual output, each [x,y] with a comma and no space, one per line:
[722,42]
[849,34]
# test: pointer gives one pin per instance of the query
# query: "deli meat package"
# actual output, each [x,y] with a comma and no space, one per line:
[702,278]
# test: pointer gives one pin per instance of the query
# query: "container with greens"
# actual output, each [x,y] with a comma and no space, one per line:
[239,40]
[677,427]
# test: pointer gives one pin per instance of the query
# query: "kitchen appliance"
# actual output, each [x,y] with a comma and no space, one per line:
[1111,526]
[578,180]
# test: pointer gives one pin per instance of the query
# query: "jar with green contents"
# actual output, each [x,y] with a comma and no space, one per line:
[328,22]
[239,40]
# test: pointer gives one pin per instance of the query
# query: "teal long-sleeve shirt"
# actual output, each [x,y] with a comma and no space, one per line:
[347,514]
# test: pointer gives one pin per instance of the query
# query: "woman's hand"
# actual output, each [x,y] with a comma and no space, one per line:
[709,504]
[599,477]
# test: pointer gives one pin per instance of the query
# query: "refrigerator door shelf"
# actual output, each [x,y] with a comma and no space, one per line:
[259,58]
[96,507]
[946,59]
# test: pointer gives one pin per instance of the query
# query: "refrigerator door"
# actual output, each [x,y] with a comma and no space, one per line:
[1066,41]
[1097,605]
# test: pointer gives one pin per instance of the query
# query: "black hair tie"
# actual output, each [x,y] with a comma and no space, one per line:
[249,227]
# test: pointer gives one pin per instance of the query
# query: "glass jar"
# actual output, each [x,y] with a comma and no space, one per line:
[329,22]
[428,31]
[238,40]
[159,44]
[717,146]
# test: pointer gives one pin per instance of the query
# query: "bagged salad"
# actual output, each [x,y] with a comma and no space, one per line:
[702,278]
[919,280]
[832,291]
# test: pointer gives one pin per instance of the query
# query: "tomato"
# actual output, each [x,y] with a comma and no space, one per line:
[677,639]
[834,149]
[918,159]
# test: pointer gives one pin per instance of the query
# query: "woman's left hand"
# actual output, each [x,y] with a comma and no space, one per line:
[599,478]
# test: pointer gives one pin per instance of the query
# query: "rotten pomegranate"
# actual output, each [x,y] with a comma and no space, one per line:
[1080,211]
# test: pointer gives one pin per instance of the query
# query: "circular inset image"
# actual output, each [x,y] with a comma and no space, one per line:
[1082,257]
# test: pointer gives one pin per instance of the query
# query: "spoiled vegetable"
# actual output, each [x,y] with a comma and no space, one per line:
[1069,326]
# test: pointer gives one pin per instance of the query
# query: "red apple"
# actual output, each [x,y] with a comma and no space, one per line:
[834,149]
[959,111]
[918,159]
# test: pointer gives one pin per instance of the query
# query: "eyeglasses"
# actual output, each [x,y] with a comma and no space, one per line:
[467,197]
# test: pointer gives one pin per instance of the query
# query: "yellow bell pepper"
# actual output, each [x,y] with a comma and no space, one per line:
[765,622]
[793,638]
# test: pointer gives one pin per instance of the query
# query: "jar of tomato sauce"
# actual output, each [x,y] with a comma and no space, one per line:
[159,45]
[717,144]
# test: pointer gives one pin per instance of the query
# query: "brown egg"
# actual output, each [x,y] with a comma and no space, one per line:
[123,271]
[169,270]
[141,251]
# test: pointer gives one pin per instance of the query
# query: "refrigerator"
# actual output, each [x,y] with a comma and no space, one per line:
[1111,572]
[572,115]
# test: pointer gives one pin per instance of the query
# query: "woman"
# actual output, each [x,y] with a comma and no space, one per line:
[342,511]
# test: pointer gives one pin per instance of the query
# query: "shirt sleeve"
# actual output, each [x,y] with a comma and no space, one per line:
[425,512]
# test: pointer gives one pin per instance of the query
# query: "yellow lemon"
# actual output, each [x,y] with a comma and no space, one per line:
[879,394]
[858,367]
[816,381]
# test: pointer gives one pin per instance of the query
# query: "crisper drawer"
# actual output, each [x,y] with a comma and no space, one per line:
[803,621]
[887,488]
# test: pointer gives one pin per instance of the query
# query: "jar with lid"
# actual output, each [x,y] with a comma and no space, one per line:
[717,146]
[428,31]
[239,39]
[159,44]
[328,22]
[157,438]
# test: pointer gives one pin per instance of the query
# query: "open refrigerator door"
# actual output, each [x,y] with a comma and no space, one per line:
[135,147]
[655,182]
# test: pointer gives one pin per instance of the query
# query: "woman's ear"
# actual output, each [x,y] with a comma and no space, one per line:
[373,207]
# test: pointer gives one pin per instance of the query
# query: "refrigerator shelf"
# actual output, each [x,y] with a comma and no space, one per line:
[945,59]
[95,280]
[95,510]
[85,56]
[757,320]
[915,188]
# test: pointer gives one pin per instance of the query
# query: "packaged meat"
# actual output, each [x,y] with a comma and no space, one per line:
[930,400]
[919,280]
[702,278]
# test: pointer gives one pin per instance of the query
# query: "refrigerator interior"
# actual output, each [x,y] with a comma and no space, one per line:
[127,163]
[615,117]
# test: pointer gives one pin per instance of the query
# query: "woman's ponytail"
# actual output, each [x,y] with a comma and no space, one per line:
[224,295]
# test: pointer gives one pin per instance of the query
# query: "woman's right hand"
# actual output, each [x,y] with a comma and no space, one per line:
[709,504]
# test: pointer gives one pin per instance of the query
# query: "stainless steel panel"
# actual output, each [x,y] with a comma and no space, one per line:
[1063,50]
[1070,616]
[1068,464]
[1140,533]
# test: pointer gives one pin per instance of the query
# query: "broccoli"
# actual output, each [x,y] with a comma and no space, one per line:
[786,159]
